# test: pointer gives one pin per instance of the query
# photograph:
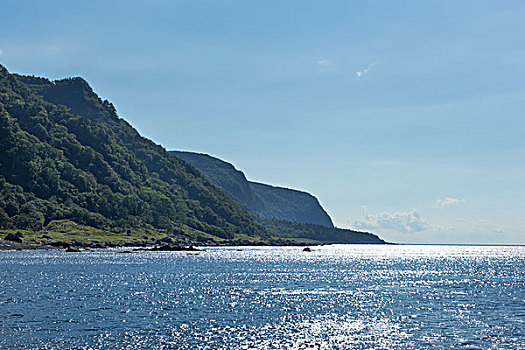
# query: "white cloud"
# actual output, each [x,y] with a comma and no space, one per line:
[362,72]
[1,52]
[324,62]
[449,201]
[406,222]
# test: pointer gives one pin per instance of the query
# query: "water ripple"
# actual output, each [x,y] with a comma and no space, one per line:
[336,297]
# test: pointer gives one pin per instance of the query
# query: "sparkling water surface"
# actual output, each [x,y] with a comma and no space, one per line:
[336,297]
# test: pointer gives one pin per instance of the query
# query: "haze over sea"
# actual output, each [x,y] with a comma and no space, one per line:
[342,296]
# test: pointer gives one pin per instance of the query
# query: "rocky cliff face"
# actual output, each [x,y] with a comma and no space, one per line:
[290,205]
[267,201]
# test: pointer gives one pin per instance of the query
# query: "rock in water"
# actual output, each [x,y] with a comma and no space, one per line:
[307,249]
[171,248]
[72,250]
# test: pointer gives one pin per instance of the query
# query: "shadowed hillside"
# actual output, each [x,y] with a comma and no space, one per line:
[267,201]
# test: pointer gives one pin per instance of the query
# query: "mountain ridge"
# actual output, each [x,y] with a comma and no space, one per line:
[267,201]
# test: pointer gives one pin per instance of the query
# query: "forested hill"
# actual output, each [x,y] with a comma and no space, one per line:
[65,154]
[267,201]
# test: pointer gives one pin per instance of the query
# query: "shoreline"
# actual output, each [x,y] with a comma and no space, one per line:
[75,246]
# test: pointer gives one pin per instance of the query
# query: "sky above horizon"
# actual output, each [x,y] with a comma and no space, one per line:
[403,118]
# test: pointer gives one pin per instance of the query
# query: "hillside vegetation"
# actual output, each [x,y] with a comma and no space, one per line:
[66,155]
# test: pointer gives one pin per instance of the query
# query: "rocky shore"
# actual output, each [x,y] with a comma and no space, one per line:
[16,241]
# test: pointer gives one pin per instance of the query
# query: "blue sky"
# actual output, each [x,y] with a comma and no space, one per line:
[404,118]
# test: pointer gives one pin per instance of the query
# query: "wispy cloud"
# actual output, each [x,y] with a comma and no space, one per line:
[361,73]
[324,62]
[449,202]
[1,52]
[405,222]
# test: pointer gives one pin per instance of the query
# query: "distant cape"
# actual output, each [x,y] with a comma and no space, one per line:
[269,202]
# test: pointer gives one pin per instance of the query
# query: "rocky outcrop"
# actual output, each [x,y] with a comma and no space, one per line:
[14,237]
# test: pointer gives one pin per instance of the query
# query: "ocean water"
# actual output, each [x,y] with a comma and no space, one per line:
[336,297]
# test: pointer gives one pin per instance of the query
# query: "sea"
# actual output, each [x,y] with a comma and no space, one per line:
[335,297]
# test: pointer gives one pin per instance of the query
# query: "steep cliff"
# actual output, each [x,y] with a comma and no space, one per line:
[267,201]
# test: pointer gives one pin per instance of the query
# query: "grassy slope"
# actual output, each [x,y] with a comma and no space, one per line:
[68,231]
